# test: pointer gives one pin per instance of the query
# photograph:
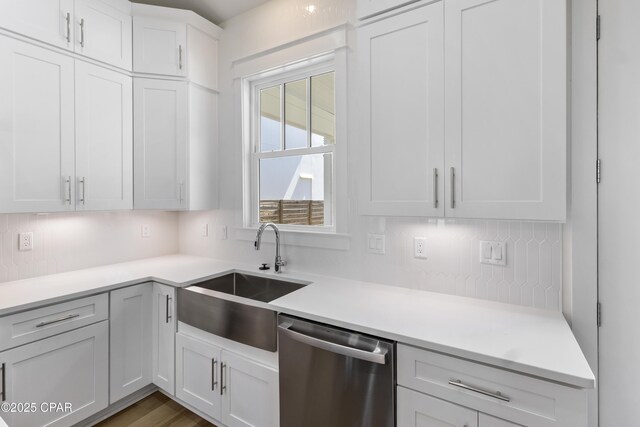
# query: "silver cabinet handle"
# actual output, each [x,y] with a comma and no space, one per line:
[83,181]
[377,356]
[214,383]
[435,188]
[453,188]
[68,19]
[67,182]
[82,32]
[62,319]
[222,386]
[168,301]
[180,56]
[180,192]
[496,395]
[4,385]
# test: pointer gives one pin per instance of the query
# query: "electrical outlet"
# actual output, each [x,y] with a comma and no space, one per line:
[420,247]
[145,230]
[205,230]
[25,241]
[223,232]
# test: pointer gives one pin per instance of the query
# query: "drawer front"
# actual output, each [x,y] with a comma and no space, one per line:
[22,328]
[508,395]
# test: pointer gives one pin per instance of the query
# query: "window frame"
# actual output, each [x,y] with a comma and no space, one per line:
[281,76]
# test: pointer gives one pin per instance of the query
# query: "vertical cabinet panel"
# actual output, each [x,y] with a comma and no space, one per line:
[104,139]
[164,335]
[250,396]
[198,375]
[506,120]
[160,134]
[402,121]
[419,410]
[130,340]
[103,31]
[36,129]
[50,21]
[72,367]
[160,46]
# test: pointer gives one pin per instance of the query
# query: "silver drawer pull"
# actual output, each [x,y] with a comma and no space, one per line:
[62,319]
[4,385]
[496,395]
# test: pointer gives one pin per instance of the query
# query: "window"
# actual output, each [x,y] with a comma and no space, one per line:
[293,142]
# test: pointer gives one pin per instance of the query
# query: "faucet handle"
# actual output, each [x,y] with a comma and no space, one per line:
[281,262]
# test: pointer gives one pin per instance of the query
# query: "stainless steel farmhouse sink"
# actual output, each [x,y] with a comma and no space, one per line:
[199,306]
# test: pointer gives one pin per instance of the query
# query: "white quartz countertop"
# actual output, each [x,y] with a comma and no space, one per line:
[522,339]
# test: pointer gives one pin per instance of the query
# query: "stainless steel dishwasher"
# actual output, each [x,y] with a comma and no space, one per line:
[333,377]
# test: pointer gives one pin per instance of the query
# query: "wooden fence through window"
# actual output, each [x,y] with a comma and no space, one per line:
[296,212]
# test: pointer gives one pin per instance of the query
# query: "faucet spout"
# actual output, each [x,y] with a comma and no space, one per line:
[279,262]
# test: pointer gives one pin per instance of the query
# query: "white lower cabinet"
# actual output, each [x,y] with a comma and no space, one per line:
[485,420]
[164,337]
[419,410]
[130,348]
[70,368]
[224,385]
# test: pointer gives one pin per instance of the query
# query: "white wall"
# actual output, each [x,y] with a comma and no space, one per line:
[71,241]
[532,277]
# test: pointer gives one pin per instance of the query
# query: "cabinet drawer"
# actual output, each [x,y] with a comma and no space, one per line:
[505,394]
[21,328]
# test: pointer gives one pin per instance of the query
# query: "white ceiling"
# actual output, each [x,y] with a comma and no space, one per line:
[216,11]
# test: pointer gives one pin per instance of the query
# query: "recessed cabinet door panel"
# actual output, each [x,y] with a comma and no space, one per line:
[160,132]
[130,347]
[44,20]
[103,32]
[419,410]
[72,367]
[198,375]
[485,420]
[104,139]
[160,47]
[250,395]
[164,336]
[402,126]
[36,129]
[506,109]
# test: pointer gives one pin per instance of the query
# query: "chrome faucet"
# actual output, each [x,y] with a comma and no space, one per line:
[279,261]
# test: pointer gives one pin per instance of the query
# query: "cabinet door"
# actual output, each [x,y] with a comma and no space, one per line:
[160,46]
[506,108]
[164,336]
[402,124]
[36,129]
[367,8]
[69,368]
[103,31]
[50,21]
[160,144]
[485,420]
[419,410]
[104,139]
[198,375]
[250,393]
[130,340]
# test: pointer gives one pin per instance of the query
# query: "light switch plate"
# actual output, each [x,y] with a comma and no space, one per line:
[493,253]
[25,241]
[375,244]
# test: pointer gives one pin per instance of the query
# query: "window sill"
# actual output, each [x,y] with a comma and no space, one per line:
[310,239]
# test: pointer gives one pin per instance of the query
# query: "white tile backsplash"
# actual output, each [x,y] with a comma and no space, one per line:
[71,241]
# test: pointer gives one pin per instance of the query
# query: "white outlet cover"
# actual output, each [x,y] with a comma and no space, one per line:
[145,230]
[25,241]
[420,247]
[205,230]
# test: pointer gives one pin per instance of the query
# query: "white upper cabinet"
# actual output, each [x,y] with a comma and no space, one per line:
[402,124]
[103,31]
[160,46]
[50,21]
[469,94]
[368,8]
[104,139]
[36,129]
[506,108]
[160,134]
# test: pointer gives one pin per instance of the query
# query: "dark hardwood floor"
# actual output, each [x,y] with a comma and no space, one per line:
[155,410]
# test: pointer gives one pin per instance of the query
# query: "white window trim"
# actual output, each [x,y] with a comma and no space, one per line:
[335,61]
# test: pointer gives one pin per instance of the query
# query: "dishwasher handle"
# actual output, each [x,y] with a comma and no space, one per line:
[378,355]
